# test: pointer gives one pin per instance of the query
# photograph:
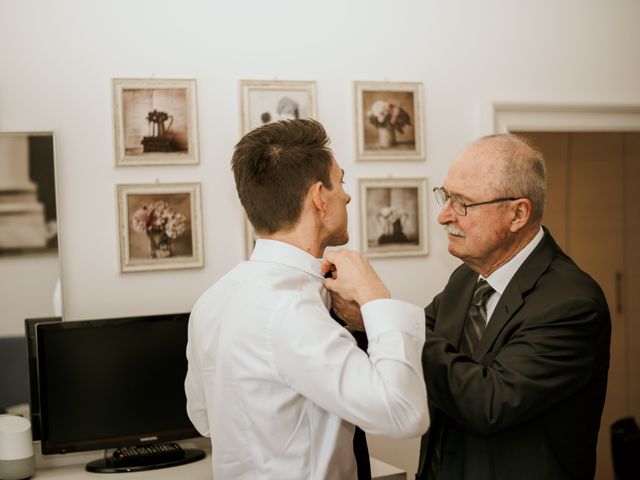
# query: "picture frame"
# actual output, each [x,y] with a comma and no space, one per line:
[160,226]
[266,101]
[156,121]
[389,121]
[393,216]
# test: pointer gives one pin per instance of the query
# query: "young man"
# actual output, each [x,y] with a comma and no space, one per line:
[273,379]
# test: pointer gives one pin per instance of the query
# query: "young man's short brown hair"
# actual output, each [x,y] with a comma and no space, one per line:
[274,166]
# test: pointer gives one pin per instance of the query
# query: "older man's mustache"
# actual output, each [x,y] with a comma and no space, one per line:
[453,230]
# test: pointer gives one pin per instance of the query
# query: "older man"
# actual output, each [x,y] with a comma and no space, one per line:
[517,350]
[517,344]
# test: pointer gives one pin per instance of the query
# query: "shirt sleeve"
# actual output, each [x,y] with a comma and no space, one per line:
[196,402]
[383,392]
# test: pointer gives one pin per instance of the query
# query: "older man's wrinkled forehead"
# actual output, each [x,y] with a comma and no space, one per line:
[478,165]
[487,153]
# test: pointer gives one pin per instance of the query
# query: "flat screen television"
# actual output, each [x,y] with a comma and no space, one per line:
[115,383]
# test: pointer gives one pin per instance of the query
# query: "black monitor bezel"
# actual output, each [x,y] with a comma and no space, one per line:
[32,358]
[50,446]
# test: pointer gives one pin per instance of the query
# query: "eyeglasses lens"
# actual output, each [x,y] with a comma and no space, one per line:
[442,196]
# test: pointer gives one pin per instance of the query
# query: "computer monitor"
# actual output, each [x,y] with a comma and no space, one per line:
[32,355]
[114,383]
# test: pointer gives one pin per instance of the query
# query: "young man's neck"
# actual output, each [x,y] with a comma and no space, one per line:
[303,240]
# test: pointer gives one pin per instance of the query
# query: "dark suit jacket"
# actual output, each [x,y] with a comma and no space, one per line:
[528,404]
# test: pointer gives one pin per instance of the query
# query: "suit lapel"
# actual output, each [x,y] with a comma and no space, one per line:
[456,305]
[513,297]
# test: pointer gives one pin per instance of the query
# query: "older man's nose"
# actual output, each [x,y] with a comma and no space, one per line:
[446,215]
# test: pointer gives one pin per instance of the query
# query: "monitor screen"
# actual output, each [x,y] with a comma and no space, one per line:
[112,383]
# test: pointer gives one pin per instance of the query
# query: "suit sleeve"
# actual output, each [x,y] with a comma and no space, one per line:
[552,354]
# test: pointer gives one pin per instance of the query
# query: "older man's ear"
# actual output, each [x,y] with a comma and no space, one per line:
[521,214]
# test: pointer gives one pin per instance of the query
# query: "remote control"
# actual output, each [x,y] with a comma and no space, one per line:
[145,454]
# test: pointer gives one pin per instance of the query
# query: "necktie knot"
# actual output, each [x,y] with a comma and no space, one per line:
[482,292]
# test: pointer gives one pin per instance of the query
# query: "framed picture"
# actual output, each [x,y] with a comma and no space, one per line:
[160,226]
[263,102]
[389,121]
[393,217]
[156,121]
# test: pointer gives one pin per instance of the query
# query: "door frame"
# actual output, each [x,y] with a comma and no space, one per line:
[549,117]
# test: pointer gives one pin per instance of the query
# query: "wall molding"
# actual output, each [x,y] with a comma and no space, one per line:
[511,116]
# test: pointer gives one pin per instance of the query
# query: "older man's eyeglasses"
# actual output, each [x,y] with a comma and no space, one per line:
[458,205]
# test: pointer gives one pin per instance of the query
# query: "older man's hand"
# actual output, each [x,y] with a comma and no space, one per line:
[348,311]
[353,277]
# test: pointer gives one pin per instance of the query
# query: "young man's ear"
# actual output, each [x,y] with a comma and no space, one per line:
[316,192]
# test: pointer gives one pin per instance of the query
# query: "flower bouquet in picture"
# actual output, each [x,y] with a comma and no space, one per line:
[388,118]
[162,224]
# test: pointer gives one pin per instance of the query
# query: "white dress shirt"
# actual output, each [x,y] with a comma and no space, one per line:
[500,278]
[279,385]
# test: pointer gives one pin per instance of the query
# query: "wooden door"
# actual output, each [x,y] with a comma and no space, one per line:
[631,273]
[592,181]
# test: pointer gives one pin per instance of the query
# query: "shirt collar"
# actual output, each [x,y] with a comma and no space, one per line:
[503,275]
[275,251]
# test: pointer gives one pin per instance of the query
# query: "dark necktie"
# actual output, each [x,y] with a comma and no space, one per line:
[360,448]
[477,317]
[473,330]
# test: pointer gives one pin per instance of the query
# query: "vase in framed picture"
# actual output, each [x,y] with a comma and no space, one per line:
[160,245]
[387,136]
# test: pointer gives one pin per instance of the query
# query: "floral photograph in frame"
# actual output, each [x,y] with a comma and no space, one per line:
[389,121]
[160,226]
[264,101]
[155,121]
[393,217]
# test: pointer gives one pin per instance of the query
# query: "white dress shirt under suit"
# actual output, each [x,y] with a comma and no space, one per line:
[279,385]
[501,277]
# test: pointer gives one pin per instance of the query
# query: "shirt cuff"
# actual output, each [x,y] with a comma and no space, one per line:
[387,314]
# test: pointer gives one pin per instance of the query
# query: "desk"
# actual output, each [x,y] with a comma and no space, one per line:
[71,467]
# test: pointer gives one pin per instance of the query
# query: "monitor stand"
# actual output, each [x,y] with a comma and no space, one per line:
[111,465]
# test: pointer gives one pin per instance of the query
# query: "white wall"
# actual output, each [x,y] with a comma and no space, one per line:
[57,59]
[27,285]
